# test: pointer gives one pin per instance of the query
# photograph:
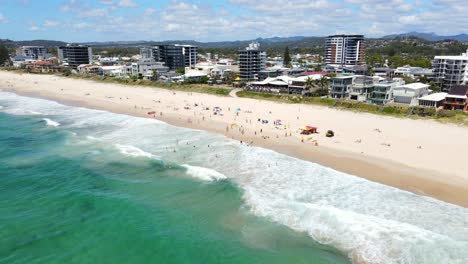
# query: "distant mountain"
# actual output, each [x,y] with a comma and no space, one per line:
[40,42]
[428,36]
[280,39]
[274,42]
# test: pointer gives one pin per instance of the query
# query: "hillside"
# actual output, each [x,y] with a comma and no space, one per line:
[428,36]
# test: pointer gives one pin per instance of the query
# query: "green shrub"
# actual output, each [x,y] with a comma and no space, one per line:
[446,113]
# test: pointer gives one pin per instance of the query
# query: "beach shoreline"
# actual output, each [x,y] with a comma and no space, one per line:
[356,149]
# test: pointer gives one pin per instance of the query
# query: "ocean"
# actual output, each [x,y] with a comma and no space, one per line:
[86,186]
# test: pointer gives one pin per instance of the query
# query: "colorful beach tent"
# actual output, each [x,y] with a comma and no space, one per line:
[308,130]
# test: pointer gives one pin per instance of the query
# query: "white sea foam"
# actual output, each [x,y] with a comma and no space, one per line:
[33,112]
[51,122]
[370,222]
[204,174]
[133,151]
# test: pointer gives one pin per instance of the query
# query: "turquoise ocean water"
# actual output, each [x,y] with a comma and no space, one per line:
[87,186]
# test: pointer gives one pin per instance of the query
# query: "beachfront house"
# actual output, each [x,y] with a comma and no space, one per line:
[148,69]
[339,86]
[409,93]
[457,98]
[432,100]
[362,87]
[382,93]
[278,84]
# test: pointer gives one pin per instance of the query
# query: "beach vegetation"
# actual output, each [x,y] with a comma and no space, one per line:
[4,56]
[67,72]
[180,71]
[186,87]
[393,109]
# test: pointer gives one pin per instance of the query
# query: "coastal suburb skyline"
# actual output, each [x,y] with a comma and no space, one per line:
[224,20]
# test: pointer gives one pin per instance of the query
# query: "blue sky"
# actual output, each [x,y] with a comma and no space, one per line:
[218,20]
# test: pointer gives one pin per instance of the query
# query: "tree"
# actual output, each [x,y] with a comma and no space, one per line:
[230,76]
[374,59]
[204,79]
[370,71]
[408,79]
[286,58]
[317,68]
[67,72]
[309,83]
[434,87]
[180,71]
[4,56]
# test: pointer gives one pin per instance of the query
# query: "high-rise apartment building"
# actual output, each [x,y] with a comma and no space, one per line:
[174,56]
[150,53]
[35,52]
[450,71]
[344,50]
[251,61]
[190,54]
[75,55]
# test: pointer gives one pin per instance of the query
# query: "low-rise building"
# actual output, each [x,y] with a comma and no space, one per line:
[278,84]
[361,87]
[35,52]
[19,61]
[432,100]
[115,71]
[211,69]
[410,93]
[340,85]
[148,69]
[413,72]
[382,93]
[457,98]
[384,72]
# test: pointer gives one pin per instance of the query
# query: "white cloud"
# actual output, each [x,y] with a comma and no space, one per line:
[79,26]
[34,28]
[3,19]
[127,3]
[247,19]
[94,12]
[50,23]
[150,11]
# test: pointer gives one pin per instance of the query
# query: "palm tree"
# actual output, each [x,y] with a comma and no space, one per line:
[323,82]
[309,83]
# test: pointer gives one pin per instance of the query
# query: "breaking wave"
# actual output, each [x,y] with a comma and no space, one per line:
[50,122]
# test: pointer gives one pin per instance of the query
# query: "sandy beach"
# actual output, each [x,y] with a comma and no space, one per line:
[421,156]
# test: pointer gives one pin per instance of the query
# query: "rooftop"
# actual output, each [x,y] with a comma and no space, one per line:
[436,97]
[459,90]
[415,86]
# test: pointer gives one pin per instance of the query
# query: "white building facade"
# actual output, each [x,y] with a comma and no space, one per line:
[344,50]
[450,71]
[410,93]
[34,52]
